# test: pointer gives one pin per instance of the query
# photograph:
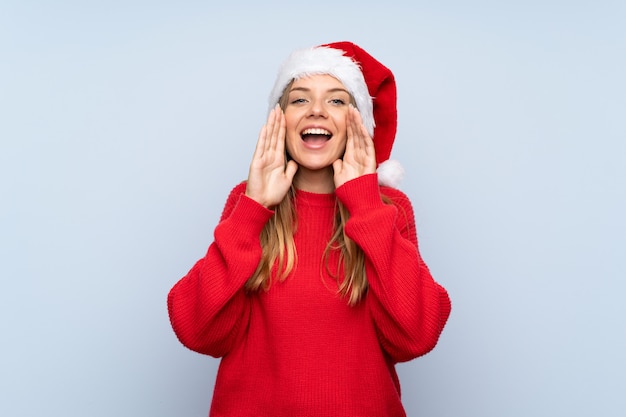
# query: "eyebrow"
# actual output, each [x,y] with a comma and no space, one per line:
[332,90]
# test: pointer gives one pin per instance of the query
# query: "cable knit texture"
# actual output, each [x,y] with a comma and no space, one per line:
[299,349]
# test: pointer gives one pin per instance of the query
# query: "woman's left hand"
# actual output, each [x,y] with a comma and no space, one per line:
[360,157]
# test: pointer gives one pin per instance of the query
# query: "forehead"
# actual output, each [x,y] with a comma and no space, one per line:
[318,81]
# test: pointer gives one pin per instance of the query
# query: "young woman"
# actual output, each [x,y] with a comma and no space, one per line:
[314,288]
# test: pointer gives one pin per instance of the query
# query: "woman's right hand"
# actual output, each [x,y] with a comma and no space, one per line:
[269,179]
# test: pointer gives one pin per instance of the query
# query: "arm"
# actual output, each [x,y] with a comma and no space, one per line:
[208,308]
[408,307]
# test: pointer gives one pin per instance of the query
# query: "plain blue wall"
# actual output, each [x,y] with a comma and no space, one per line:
[124,124]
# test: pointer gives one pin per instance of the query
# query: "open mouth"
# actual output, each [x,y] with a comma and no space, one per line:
[316,136]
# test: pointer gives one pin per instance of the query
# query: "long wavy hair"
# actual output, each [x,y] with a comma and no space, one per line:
[279,247]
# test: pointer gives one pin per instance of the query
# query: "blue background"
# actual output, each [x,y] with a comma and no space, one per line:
[124,124]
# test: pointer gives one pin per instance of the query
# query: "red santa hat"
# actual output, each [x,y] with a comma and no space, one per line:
[371,84]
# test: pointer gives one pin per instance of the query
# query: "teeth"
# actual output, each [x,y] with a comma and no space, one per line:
[316,131]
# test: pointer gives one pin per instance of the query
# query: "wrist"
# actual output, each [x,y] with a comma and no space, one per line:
[360,194]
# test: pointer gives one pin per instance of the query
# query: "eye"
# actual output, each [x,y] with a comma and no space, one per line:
[338,101]
[297,101]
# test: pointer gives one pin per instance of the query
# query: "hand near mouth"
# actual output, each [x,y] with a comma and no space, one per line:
[360,157]
[269,179]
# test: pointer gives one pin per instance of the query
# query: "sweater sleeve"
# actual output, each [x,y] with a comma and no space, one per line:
[408,307]
[208,307]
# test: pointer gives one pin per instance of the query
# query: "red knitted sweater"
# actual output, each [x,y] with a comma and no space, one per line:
[299,349]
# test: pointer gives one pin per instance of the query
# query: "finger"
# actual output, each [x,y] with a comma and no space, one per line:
[278,119]
[337,166]
[280,138]
[260,144]
[271,125]
[369,142]
[351,132]
[365,143]
[355,128]
[291,169]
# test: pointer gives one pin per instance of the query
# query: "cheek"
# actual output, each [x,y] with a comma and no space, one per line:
[341,123]
[342,148]
[342,139]
[291,139]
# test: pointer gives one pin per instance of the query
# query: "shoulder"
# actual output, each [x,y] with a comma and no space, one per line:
[394,195]
[233,199]
[401,201]
[238,189]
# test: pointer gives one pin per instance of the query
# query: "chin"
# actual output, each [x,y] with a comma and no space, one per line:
[316,166]
[314,162]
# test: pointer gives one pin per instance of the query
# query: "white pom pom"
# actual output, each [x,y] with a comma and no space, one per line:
[390,173]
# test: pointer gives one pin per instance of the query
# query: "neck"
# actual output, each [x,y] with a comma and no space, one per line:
[318,181]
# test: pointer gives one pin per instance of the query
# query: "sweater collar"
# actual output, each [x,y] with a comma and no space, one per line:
[315,199]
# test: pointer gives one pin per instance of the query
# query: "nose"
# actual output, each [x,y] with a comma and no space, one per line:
[318,109]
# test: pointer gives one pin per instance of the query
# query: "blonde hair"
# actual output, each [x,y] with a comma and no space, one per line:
[278,247]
